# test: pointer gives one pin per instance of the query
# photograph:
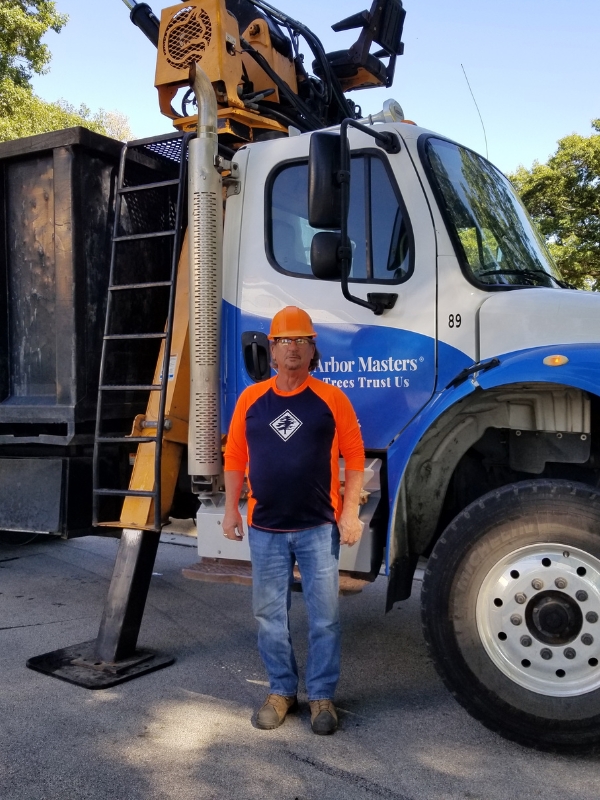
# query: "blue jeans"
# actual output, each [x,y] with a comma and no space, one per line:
[273,555]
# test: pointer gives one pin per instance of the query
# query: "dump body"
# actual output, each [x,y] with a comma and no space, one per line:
[57,220]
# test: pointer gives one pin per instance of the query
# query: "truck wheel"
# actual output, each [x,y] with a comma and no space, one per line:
[511,612]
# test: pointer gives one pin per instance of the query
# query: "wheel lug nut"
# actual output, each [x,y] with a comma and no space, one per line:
[537,584]
[568,652]
[520,598]
[587,638]
[591,616]
[546,653]
[581,595]
[560,583]
[526,641]
[516,619]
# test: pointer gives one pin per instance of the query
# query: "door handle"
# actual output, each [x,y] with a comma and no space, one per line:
[255,362]
[255,347]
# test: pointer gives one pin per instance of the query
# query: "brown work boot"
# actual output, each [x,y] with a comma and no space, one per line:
[274,710]
[323,719]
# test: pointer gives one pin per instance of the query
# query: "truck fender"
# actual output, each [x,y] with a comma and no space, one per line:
[520,393]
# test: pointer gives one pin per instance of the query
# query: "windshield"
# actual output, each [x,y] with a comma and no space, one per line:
[500,245]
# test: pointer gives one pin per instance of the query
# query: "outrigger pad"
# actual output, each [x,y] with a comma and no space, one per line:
[78,664]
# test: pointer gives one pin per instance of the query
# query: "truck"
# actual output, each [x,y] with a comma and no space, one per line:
[473,367]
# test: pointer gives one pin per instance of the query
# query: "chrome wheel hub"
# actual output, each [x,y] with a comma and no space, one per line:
[538,617]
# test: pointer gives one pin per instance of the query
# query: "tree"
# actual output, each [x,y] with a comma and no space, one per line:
[23,23]
[563,197]
[23,113]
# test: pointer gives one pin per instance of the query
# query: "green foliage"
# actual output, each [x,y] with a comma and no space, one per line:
[23,113]
[23,23]
[563,197]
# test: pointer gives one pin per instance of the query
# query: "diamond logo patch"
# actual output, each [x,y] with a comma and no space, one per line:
[285,425]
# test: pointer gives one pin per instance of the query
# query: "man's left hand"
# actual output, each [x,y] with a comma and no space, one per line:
[350,529]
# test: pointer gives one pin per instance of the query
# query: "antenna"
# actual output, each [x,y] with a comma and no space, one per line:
[478,111]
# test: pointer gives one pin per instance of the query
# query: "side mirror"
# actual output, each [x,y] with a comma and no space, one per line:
[329,202]
[324,258]
[324,186]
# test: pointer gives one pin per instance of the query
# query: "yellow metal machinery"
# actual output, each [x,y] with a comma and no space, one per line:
[207,34]
[250,52]
[138,512]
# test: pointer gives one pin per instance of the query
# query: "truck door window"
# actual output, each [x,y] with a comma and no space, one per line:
[378,226]
[496,242]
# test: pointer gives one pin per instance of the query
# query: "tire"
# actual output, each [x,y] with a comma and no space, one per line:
[511,613]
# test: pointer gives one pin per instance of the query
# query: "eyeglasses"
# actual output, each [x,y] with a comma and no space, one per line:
[299,341]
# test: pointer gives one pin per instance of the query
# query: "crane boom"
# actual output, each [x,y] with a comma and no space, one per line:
[250,52]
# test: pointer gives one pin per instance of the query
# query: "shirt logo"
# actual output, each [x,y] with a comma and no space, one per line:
[285,425]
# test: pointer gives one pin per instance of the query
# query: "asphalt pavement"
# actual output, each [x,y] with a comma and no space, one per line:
[185,732]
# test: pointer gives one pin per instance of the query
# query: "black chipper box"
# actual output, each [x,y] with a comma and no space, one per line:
[57,206]
[56,219]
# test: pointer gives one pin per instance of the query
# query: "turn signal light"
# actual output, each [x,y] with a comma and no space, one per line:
[555,361]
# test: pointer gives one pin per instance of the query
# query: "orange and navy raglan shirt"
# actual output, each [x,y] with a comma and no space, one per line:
[290,442]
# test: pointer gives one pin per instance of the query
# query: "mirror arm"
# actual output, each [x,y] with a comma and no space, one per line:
[391,144]
[388,141]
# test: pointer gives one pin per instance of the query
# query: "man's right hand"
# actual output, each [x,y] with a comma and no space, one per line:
[233,527]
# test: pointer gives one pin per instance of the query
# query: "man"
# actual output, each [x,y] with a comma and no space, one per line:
[290,430]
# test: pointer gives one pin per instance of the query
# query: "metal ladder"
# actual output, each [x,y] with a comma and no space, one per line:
[129,213]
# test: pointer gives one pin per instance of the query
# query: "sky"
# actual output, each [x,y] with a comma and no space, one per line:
[533,67]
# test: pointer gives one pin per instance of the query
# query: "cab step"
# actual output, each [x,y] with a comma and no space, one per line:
[227,570]
[220,570]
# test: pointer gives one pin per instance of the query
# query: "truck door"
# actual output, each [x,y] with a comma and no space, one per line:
[386,364]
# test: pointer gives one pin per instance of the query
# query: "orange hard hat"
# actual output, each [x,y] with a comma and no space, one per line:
[291,321]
